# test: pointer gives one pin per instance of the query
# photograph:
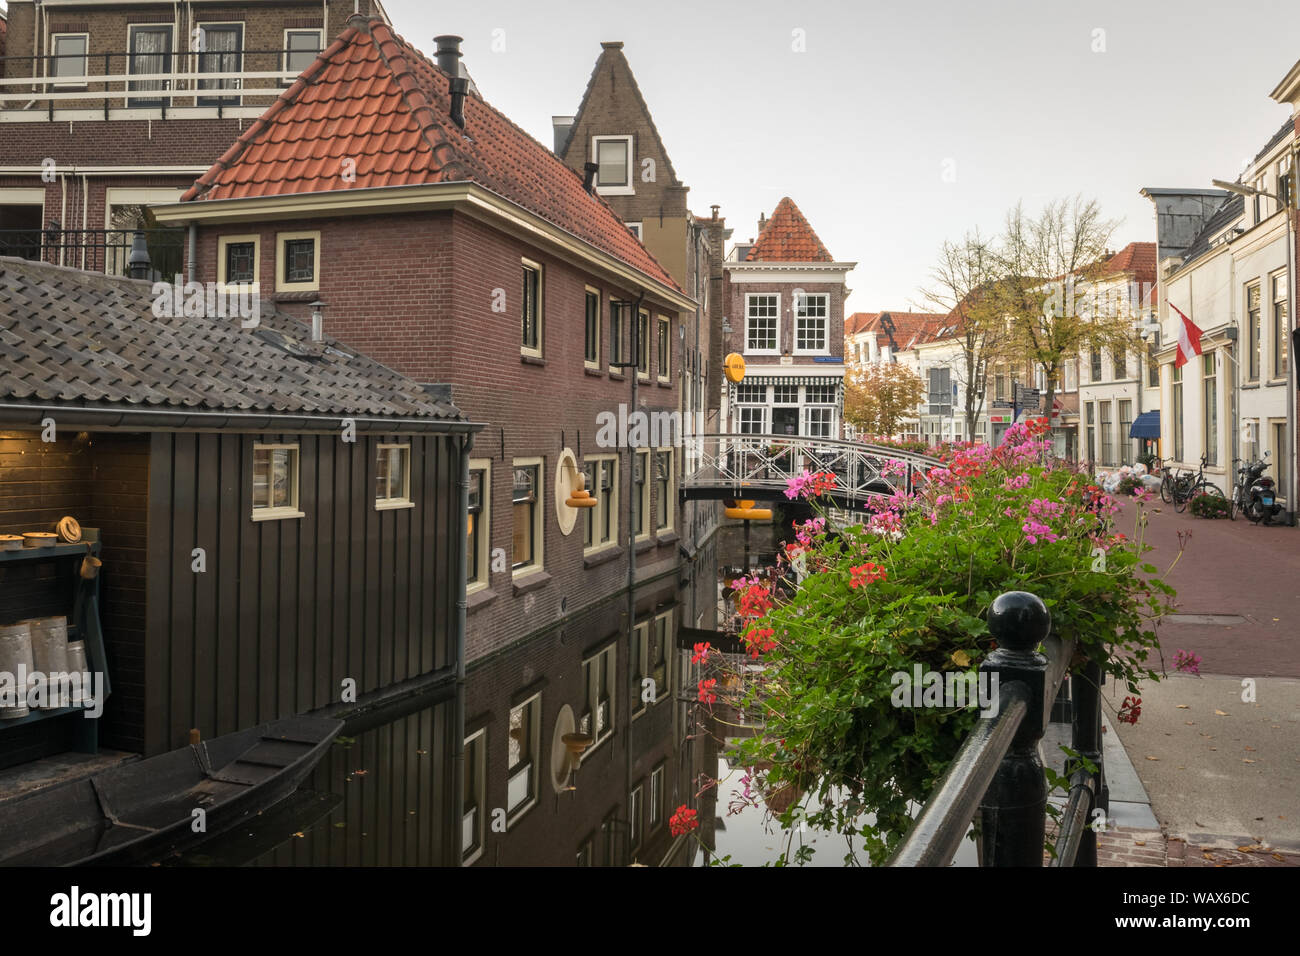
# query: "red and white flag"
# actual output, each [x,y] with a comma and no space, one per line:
[1189,339]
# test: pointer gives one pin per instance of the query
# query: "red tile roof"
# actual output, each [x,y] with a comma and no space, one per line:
[910,328]
[1138,258]
[372,98]
[787,237]
[860,322]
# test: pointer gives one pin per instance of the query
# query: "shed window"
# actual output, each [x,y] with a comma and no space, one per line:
[275,481]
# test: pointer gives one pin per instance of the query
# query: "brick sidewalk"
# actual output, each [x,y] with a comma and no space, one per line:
[1129,847]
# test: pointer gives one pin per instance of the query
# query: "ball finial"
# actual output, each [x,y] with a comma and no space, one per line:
[1019,621]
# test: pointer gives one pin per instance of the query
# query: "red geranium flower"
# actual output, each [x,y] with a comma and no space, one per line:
[683,821]
[864,574]
[701,652]
[706,688]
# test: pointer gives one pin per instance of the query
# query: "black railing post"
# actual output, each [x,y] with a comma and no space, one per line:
[1085,740]
[1013,813]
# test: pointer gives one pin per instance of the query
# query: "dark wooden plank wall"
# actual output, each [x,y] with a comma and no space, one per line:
[287,609]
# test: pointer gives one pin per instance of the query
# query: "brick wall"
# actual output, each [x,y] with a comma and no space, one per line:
[734,309]
[416,292]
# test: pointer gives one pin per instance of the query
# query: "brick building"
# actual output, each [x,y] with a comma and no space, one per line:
[614,130]
[448,244]
[107,107]
[783,302]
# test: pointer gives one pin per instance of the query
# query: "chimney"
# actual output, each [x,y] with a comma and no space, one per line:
[762,221]
[589,175]
[448,55]
[458,87]
[560,127]
[715,211]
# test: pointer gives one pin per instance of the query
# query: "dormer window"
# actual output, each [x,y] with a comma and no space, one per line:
[613,157]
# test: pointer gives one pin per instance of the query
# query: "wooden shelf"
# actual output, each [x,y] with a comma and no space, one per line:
[58,551]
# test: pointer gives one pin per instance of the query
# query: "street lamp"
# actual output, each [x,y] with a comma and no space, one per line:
[1251,191]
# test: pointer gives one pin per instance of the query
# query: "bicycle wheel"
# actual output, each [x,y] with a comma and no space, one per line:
[1208,488]
[1166,489]
[1235,504]
[1181,496]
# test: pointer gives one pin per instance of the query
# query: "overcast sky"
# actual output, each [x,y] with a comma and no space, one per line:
[860,128]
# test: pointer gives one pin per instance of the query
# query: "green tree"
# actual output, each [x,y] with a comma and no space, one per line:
[877,398]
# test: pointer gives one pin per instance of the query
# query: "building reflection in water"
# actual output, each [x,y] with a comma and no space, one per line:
[384,796]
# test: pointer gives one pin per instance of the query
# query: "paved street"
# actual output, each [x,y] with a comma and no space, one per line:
[1222,772]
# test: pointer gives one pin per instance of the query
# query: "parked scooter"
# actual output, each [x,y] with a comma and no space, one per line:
[1254,495]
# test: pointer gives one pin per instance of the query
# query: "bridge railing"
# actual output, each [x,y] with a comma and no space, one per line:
[768,462]
[997,772]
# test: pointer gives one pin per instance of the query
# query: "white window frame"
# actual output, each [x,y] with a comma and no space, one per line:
[533,703]
[539,518]
[598,529]
[481,778]
[672,488]
[743,410]
[234,92]
[828,410]
[222,243]
[611,649]
[73,81]
[166,93]
[641,666]
[281,284]
[645,489]
[541,310]
[600,309]
[655,813]
[635,830]
[284,45]
[284,511]
[776,349]
[643,343]
[664,688]
[627,190]
[404,501]
[635,229]
[825,299]
[664,372]
[485,525]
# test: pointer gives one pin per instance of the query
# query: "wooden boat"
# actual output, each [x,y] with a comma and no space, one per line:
[142,811]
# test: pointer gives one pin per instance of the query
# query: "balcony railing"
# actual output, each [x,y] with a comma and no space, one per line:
[130,85]
[98,250]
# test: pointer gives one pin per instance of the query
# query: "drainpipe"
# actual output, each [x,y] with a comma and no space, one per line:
[85,214]
[192,253]
[631,533]
[462,576]
[63,213]
[1290,365]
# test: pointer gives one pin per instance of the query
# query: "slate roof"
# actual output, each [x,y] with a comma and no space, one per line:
[787,237]
[92,340]
[1231,211]
[372,98]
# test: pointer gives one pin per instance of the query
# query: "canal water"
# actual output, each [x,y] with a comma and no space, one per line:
[385,793]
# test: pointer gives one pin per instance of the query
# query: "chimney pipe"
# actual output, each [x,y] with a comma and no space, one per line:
[448,55]
[459,86]
[762,221]
[715,211]
[589,176]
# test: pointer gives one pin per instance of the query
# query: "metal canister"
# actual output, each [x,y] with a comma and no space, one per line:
[78,665]
[15,661]
[50,652]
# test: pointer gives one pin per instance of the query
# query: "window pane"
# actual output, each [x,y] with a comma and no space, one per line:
[299,260]
[530,326]
[591,350]
[611,155]
[302,49]
[240,260]
[281,476]
[70,56]
[262,478]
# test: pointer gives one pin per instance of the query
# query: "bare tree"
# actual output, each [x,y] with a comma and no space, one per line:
[1043,262]
[963,285]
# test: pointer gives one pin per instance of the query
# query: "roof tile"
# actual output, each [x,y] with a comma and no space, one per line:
[390,105]
[787,237]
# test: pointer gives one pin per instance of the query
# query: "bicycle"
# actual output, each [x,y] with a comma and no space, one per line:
[1188,486]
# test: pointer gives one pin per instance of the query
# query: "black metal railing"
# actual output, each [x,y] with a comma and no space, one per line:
[101,250]
[997,773]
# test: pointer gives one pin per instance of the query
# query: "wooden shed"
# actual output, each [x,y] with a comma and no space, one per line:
[281,520]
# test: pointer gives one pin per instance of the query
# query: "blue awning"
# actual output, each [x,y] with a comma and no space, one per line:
[1147,425]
